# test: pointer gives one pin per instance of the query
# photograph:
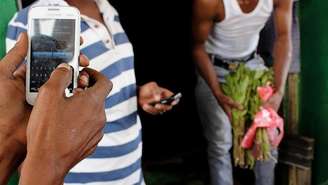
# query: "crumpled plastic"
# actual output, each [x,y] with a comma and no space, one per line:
[265,118]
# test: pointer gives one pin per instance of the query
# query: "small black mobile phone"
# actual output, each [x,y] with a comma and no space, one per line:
[169,100]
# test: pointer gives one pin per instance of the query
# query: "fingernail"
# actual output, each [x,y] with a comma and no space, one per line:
[64,65]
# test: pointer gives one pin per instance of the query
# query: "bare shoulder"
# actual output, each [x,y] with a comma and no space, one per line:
[209,8]
[208,4]
[282,3]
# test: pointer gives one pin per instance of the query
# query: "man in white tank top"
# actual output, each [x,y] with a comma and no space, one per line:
[226,31]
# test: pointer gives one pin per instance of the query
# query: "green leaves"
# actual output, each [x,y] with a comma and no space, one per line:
[241,85]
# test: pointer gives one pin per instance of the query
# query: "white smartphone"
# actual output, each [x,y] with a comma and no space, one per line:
[54,38]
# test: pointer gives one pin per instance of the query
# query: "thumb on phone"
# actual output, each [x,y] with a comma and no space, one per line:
[60,78]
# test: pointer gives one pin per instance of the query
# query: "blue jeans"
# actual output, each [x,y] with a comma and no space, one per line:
[217,130]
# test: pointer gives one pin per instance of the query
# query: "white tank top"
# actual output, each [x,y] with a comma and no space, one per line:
[238,34]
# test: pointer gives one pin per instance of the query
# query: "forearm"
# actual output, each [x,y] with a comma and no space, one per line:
[206,70]
[10,158]
[282,60]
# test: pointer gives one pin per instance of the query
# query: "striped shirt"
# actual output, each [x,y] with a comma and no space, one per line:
[117,159]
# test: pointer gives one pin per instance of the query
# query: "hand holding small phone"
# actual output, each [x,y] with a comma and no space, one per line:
[157,100]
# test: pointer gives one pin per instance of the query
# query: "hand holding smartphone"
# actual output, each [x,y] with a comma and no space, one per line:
[54,38]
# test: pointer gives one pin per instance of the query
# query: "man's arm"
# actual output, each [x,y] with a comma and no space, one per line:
[283,44]
[14,112]
[205,13]
[282,48]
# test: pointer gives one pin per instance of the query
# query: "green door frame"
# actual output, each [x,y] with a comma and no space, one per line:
[314,82]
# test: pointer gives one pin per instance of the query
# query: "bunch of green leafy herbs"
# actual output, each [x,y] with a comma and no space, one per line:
[241,85]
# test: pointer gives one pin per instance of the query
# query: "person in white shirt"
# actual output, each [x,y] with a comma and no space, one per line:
[225,32]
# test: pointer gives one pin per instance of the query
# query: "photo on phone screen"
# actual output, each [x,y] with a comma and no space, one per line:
[52,43]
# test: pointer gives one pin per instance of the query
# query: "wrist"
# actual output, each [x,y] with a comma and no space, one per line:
[11,156]
[41,169]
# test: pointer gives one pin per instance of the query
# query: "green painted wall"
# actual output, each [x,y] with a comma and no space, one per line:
[14,179]
[314,82]
[7,10]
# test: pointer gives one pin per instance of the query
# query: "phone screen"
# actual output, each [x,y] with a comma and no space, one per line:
[52,43]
